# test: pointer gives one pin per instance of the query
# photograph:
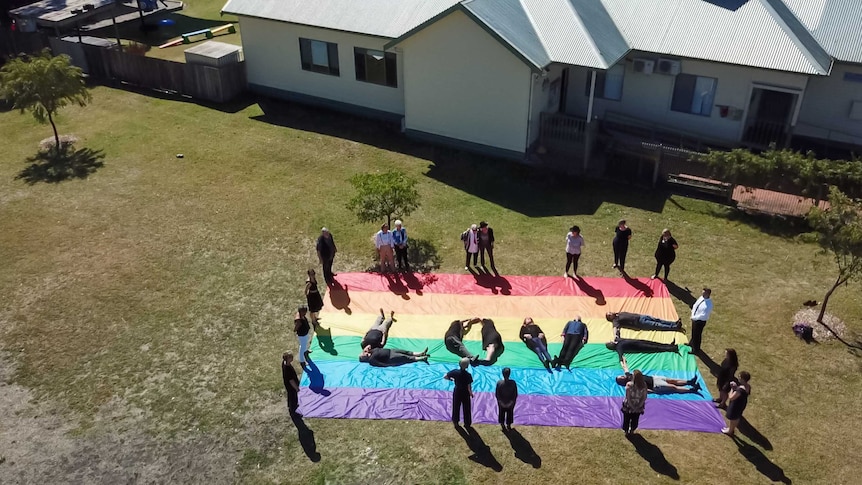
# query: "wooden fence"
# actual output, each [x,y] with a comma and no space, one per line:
[218,84]
[14,43]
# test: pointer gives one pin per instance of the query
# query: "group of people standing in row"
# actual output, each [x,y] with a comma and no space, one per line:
[478,241]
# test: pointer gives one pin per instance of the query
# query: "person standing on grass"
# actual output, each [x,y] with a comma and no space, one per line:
[303,330]
[463,393]
[700,313]
[574,244]
[470,238]
[291,384]
[738,401]
[385,245]
[634,402]
[622,235]
[507,395]
[726,376]
[313,298]
[665,253]
[399,237]
[486,244]
[326,255]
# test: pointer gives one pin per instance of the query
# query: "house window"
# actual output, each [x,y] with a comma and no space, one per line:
[376,67]
[319,56]
[609,84]
[693,94]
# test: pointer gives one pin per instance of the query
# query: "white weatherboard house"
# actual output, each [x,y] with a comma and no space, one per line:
[500,76]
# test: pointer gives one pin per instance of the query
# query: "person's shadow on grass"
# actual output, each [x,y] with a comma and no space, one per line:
[763,464]
[481,451]
[523,449]
[316,381]
[306,439]
[746,428]
[707,360]
[653,455]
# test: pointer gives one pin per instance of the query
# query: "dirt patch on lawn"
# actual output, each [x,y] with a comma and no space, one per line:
[39,444]
[821,333]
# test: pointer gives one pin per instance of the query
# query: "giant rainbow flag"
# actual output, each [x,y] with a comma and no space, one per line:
[337,385]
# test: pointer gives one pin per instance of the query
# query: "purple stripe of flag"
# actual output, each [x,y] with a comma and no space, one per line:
[532,409]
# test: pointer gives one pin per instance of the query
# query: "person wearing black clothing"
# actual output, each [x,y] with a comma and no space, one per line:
[726,376]
[635,346]
[326,254]
[532,335]
[637,321]
[303,333]
[507,395]
[291,384]
[392,357]
[738,402]
[492,341]
[455,335]
[622,235]
[575,336]
[486,244]
[665,253]
[463,393]
[376,336]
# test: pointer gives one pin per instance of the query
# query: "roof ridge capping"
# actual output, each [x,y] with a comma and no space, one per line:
[807,43]
[614,46]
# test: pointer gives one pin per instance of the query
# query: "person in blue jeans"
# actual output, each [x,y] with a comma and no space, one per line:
[636,321]
[532,335]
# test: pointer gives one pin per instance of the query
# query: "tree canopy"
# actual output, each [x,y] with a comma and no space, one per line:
[380,195]
[42,84]
[839,230]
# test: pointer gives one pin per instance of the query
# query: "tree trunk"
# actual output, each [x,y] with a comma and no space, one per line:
[826,299]
[389,220]
[56,135]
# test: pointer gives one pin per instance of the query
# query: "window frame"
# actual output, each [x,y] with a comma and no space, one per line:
[306,57]
[389,64]
[682,101]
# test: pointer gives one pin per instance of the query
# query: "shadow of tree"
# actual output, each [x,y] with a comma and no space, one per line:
[54,167]
[654,456]
[423,256]
[523,449]
[763,464]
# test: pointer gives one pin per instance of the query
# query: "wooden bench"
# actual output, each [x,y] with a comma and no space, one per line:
[717,188]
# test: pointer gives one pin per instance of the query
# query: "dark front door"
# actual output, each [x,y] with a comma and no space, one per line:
[769,116]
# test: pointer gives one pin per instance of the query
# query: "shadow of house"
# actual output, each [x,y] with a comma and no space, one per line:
[51,167]
[654,456]
[502,182]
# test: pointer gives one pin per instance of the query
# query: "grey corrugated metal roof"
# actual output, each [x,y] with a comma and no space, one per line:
[750,35]
[836,24]
[508,20]
[380,18]
[573,33]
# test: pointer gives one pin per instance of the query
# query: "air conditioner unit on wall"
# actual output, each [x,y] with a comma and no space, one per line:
[670,67]
[644,66]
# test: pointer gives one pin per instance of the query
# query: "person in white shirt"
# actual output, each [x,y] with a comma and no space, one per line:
[699,315]
[385,244]
[470,237]
[574,243]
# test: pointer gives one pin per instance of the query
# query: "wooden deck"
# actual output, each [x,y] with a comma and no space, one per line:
[771,202]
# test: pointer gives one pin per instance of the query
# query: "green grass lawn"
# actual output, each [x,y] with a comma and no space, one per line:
[165,284]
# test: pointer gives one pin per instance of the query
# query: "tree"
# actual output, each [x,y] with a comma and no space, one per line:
[43,84]
[381,195]
[839,230]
